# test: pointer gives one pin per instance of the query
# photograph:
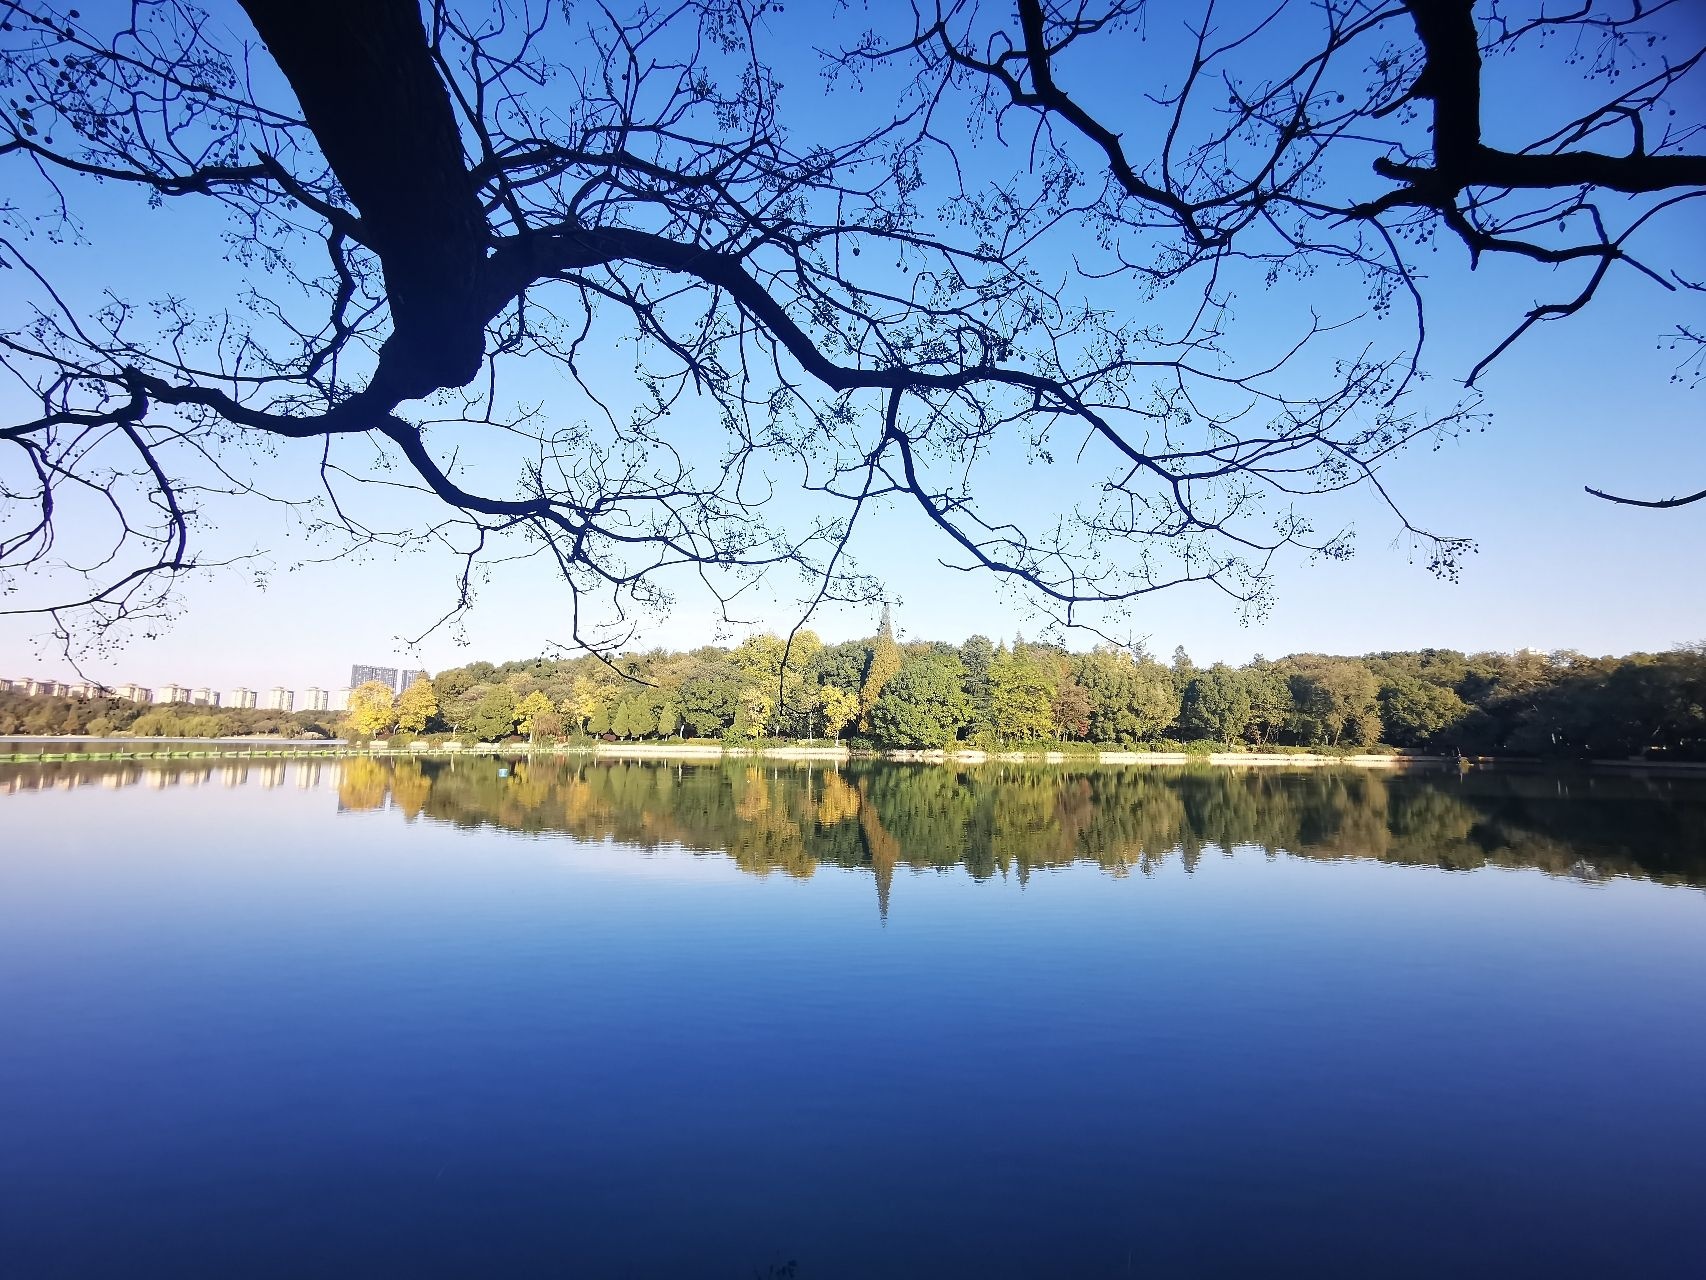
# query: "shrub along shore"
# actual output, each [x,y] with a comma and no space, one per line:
[186,750]
[72,750]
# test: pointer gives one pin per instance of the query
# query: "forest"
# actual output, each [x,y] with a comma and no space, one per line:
[879,693]
[50,716]
[1013,695]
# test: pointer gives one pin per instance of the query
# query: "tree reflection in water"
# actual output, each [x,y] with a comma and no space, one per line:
[999,820]
[1011,820]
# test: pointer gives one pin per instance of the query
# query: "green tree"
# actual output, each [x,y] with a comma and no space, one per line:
[1333,700]
[459,711]
[637,715]
[842,665]
[1216,704]
[1414,713]
[925,703]
[1271,709]
[1130,701]
[758,661]
[709,702]
[451,684]
[1021,696]
[494,714]
[978,653]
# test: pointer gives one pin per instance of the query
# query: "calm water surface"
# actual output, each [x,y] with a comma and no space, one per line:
[572,1019]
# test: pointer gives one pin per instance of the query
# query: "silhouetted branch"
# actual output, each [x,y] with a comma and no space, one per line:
[1645,502]
[418,198]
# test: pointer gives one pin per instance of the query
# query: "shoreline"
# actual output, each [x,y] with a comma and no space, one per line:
[261,749]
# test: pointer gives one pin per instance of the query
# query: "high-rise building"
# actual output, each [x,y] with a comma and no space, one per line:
[174,693]
[139,694]
[87,689]
[245,698]
[314,699]
[205,698]
[281,699]
[407,678]
[338,700]
[360,674]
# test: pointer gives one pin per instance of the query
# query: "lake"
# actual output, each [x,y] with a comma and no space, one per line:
[485,1017]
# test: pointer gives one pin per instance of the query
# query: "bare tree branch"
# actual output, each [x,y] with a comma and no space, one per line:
[418,198]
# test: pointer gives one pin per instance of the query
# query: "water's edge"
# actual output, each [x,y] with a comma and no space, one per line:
[211,748]
[50,750]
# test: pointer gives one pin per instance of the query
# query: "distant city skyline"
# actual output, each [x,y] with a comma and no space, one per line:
[241,697]
[279,698]
[365,673]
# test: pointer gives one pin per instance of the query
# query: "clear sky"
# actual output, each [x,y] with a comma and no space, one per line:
[1587,401]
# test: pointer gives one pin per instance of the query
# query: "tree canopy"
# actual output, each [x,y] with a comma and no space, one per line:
[1026,696]
[966,257]
[417,706]
[372,710]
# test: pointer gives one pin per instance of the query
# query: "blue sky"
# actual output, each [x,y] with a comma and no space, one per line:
[1587,401]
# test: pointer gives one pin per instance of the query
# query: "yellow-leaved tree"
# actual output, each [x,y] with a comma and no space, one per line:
[372,710]
[417,706]
[533,706]
[838,707]
[883,666]
[586,699]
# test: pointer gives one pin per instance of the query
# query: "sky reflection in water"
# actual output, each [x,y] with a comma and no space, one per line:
[277,1020]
